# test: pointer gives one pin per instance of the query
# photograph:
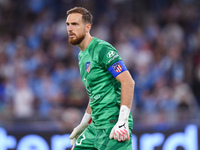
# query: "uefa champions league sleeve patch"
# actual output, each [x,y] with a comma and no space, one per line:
[117,68]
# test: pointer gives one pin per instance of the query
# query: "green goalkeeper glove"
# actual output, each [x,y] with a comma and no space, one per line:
[86,120]
[120,131]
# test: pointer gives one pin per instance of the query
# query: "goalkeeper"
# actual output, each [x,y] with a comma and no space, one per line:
[107,122]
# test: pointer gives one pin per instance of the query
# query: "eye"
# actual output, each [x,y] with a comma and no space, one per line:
[74,24]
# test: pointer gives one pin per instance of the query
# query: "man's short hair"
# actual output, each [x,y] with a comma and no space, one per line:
[86,15]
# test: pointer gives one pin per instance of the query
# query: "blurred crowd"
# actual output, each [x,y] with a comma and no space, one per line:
[159,41]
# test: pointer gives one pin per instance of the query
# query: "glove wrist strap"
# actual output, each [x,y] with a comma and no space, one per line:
[124,113]
[86,119]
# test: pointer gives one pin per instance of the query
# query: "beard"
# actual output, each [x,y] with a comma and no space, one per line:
[76,40]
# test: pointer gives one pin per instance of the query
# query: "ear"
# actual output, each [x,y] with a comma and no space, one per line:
[88,27]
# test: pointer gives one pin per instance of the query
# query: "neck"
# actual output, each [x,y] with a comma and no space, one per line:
[86,41]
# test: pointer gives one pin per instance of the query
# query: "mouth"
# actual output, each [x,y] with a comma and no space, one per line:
[72,35]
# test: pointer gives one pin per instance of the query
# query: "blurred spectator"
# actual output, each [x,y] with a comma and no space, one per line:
[184,96]
[48,93]
[23,101]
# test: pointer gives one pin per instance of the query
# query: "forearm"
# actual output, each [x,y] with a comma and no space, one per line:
[127,88]
[127,92]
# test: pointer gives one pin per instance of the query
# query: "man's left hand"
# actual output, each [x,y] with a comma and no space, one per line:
[120,131]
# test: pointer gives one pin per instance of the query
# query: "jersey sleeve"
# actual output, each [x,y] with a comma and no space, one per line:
[111,60]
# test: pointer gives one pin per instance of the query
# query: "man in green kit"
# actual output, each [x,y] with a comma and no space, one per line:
[107,122]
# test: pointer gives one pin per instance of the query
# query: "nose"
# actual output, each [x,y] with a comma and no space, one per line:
[69,27]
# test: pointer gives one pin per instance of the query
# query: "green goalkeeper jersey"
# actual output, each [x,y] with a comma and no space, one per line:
[99,64]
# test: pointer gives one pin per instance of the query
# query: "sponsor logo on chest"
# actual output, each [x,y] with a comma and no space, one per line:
[110,54]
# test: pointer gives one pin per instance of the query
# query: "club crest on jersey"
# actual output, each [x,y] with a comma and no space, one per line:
[88,67]
[117,67]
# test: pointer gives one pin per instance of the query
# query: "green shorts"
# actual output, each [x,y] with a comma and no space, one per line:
[98,139]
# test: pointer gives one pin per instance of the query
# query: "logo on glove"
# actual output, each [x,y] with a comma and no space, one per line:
[122,126]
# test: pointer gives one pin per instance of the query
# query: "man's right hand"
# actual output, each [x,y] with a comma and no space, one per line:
[80,128]
[77,132]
